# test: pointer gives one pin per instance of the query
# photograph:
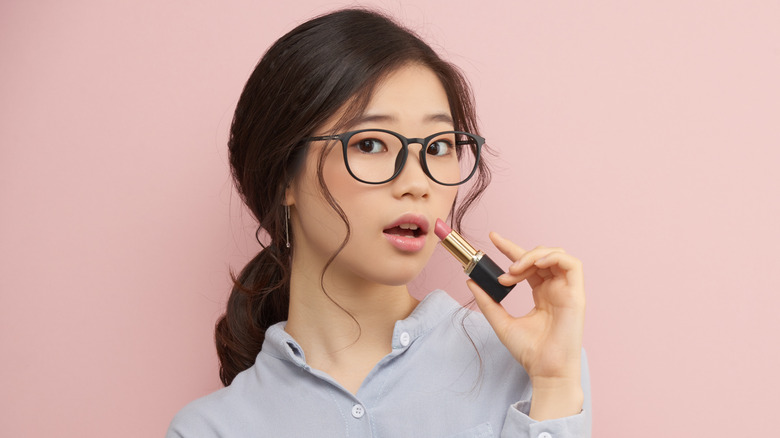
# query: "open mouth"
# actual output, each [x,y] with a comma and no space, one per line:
[407,233]
[405,230]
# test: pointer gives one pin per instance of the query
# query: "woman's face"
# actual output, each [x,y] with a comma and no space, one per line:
[382,249]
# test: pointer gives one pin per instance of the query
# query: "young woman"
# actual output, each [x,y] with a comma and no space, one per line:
[342,146]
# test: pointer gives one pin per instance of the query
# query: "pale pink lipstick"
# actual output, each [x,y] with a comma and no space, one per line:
[476,264]
[408,232]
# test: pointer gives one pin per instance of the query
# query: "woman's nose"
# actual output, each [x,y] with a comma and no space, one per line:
[413,179]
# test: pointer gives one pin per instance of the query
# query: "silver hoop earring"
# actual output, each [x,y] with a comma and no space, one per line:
[287,224]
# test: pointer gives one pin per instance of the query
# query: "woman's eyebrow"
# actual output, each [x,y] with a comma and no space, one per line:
[384,118]
[441,117]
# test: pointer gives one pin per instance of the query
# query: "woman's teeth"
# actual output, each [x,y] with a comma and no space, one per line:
[407,230]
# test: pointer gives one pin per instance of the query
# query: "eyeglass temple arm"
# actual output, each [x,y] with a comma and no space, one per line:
[324,137]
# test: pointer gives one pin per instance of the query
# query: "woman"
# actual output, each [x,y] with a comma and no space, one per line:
[333,150]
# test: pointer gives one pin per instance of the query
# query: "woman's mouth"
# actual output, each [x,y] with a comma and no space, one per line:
[405,230]
[408,233]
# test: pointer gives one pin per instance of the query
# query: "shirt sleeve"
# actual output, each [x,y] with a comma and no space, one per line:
[519,425]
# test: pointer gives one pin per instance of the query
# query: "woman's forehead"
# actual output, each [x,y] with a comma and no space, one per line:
[412,92]
[411,89]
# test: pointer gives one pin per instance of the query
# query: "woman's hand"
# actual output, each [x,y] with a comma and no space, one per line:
[548,340]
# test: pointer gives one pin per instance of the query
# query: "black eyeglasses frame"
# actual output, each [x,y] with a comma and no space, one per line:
[404,152]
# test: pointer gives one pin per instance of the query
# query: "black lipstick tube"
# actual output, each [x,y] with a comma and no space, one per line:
[477,265]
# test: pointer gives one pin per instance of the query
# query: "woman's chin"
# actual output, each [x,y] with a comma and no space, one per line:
[399,275]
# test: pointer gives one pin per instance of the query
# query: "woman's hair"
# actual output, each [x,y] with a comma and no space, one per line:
[322,66]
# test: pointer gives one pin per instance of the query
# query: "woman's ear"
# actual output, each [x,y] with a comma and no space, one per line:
[289,196]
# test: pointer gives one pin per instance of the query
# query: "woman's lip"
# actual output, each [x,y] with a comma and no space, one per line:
[408,244]
[411,218]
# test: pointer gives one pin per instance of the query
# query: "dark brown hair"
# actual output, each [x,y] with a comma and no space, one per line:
[325,64]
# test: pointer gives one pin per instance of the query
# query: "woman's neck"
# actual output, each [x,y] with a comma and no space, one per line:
[347,328]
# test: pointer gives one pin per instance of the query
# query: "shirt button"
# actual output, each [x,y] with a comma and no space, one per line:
[358,411]
[405,339]
[544,435]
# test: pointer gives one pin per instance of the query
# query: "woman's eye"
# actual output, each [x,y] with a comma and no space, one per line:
[439,148]
[370,146]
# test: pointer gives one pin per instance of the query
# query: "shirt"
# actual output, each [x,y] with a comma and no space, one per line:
[448,375]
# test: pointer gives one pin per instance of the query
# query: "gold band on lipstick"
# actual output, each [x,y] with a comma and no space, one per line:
[462,250]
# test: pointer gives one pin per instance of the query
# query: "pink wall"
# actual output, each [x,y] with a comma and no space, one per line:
[641,136]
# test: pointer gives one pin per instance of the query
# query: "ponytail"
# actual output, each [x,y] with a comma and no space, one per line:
[260,298]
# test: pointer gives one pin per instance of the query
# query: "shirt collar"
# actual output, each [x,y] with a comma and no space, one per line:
[432,309]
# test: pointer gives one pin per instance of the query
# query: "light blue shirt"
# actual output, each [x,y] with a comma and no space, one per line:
[434,383]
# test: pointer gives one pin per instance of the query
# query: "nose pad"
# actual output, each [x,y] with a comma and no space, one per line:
[400,160]
[424,164]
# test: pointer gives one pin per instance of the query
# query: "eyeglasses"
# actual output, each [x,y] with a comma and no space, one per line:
[376,156]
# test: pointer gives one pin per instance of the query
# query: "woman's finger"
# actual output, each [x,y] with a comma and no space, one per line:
[530,257]
[509,278]
[564,265]
[560,258]
[544,273]
[506,246]
[496,315]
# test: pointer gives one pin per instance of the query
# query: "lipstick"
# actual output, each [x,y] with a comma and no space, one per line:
[475,263]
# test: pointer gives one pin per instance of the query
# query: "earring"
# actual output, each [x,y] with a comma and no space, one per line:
[287,224]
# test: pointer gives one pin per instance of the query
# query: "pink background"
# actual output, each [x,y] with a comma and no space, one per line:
[643,137]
